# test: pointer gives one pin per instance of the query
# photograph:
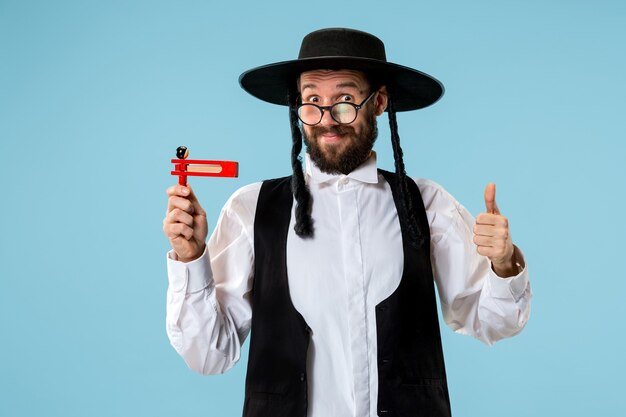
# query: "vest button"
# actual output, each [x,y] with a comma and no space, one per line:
[383,412]
[302,377]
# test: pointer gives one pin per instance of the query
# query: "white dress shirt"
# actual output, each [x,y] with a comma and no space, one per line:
[336,279]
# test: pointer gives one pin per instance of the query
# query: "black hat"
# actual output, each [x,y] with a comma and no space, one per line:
[339,48]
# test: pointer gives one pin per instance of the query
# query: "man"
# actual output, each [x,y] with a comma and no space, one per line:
[332,268]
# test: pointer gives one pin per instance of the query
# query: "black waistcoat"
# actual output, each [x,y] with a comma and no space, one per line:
[411,374]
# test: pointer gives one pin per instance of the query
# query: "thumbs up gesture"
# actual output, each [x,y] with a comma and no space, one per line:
[492,236]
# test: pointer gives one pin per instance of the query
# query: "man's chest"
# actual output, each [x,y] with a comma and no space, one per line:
[355,259]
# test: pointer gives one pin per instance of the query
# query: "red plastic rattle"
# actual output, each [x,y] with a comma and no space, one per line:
[184,167]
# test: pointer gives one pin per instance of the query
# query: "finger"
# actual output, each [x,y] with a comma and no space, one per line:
[177,230]
[182,203]
[179,216]
[492,219]
[490,199]
[486,251]
[485,241]
[484,230]
[186,192]
[495,253]
[179,190]
[491,230]
[498,240]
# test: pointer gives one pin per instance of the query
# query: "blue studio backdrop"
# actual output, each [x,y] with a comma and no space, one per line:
[95,96]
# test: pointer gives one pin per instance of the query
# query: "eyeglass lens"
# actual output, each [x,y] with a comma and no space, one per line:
[342,113]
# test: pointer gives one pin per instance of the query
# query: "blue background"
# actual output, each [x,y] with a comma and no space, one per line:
[96,96]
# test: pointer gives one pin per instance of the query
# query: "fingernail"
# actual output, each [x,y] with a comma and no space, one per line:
[185,191]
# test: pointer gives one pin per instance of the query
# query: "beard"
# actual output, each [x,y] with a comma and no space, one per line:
[333,159]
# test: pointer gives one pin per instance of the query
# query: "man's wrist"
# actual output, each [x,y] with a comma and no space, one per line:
[191,258]
[505,271]
[508,269]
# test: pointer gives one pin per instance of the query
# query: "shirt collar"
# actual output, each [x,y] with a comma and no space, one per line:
[366,172]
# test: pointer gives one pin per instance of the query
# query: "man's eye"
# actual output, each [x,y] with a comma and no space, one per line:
[314,99]
[346,98]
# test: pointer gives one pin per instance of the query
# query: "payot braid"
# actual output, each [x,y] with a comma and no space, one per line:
[304,222]
[403,187]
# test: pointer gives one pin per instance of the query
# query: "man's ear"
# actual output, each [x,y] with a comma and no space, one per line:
[382,98]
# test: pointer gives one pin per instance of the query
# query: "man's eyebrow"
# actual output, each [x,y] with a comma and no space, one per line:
[338,86]
[347,84]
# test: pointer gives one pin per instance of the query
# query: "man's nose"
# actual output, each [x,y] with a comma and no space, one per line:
[327,119]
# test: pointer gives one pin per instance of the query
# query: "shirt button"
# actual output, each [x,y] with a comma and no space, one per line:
[344,181]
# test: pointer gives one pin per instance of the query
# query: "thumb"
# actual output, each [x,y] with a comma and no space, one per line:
[490,199]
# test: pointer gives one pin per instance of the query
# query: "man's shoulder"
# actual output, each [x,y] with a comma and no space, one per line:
[247,196]
[246,192]
[427,185]
[433,193]
[242,203]
[244,199]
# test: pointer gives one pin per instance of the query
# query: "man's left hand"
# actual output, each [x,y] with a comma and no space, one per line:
[492,237]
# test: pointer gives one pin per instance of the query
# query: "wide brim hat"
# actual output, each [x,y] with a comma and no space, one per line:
[340,48]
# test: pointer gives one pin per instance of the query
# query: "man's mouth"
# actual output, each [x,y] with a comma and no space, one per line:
[332,134]
[331,137]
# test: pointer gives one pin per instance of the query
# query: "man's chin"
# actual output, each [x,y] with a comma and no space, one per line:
[333,150]
[329,166]
[336,163]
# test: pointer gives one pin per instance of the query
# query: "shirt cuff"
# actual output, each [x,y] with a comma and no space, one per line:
[191,276]
[514,286]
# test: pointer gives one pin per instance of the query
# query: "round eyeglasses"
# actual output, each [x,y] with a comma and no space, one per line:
[343,112]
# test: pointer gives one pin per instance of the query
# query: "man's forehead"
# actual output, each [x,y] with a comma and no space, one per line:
[332,78]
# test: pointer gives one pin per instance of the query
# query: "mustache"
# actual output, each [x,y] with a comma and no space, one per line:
[335,130]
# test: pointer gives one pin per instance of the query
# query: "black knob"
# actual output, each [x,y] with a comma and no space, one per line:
[182,152]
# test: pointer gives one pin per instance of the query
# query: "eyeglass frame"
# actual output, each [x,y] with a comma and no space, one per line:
[322,109]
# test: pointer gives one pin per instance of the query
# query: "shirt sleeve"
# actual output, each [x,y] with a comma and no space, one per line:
[474,300]
[208,310]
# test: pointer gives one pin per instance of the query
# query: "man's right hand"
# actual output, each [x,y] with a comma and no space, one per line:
[185,223]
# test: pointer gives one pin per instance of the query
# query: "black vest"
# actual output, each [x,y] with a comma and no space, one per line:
[411,373]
